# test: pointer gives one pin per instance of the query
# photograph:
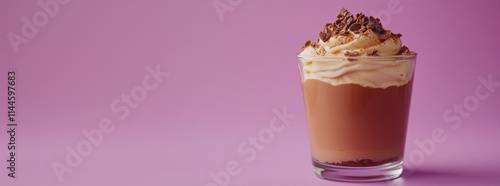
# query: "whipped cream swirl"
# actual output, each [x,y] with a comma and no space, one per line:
[357,50]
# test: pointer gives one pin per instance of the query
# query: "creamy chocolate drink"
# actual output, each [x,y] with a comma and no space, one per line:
[357,82]
[353,125]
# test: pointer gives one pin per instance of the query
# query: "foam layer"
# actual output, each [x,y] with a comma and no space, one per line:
[368,72]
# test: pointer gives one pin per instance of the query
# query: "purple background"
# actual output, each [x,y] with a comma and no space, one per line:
[225,78]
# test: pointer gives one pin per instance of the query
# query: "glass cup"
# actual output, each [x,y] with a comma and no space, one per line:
[357,114]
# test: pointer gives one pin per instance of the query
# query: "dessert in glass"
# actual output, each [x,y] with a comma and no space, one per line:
[357,83]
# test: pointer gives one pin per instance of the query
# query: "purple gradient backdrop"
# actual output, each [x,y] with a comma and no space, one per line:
[226,77]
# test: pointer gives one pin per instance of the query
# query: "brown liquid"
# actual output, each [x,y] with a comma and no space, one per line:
[352,125]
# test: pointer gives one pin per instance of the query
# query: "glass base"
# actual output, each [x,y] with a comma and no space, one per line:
[383,172]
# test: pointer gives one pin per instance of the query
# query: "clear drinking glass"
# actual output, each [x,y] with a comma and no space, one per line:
[357,113]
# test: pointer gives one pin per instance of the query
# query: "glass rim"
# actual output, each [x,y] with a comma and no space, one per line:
[412,55]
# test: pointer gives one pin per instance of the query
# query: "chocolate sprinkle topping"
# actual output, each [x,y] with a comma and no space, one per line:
[351,54]
[310,43]
[385,36]
[324,36]
[372,53]
[306,44]
[358,24]
[347,22]
[404,50]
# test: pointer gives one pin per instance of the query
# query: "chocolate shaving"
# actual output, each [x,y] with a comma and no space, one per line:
[314,44]
[404,50]
[308,42]
[321,51]
[364,162]
[347,22]
[385,36]
[325,36]
[355,27]
[372,53]
[351,54]
[358,24]
[343,33]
